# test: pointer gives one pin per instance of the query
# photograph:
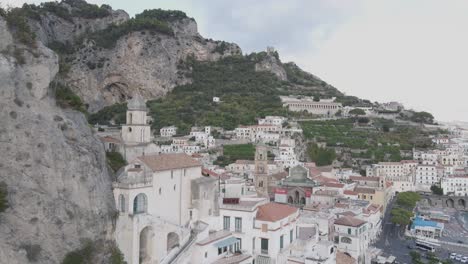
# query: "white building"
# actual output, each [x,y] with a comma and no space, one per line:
[428,175]
[455,185]
[168,131]
[272,120]
[322,107]
[159,197]
[352,236]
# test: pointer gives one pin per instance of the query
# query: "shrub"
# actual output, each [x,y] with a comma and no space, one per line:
[116,113]
[115,160]
[321,156]
[116,256]
[437,190]
[3,197]
[66,98]
[17,21]
[80,256]
[408,199]
[162,15]
[107,38]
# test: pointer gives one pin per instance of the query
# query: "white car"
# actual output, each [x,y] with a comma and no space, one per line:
[464,260]
[453,255]
[458,257]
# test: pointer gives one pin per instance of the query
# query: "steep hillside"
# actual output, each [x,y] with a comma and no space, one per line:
[59,189]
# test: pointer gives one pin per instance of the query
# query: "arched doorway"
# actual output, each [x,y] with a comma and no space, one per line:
[296,197]
[290,200]
[146,245]
[462,203]
[303,200]
[172,241]
[450,203]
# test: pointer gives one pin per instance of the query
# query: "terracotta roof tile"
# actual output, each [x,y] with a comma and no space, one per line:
[169,161]
[364,190]
[362,178]
[349,192]
[349,221]
[344,258]
[272,212]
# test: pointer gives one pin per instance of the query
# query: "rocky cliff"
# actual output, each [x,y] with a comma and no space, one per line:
[55,169]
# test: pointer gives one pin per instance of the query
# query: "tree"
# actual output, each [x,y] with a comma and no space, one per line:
[408,199]
[339,113]
[437,190]
[321,156]
[3,197]
[357,112]
[401,216]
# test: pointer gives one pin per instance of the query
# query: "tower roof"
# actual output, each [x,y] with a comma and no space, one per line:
[136,103]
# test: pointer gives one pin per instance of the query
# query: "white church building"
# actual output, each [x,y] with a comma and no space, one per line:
[160,198]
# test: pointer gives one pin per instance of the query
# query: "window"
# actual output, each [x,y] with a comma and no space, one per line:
[349,231]
[122,203]
[137,166]
[191,214]
[291,233]
[172,174]
[281,241]
[174,187]
[129,129]
[264,245]
[220,251]
[206,254]
[140,204]
[346,240]
[159,191]
[238,224]
[226,222]
[253,244]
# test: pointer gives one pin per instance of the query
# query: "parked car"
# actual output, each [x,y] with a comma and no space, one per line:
[460,242]
[453,255]
[464,260]
[458,257]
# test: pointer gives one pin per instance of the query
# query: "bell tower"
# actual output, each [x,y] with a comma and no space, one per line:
[136,130]
[261,170]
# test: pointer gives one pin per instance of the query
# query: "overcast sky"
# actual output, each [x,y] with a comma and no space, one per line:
[412,51]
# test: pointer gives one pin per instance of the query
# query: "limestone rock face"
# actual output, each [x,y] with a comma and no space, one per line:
[55,169]
[51,27]
[271,64]
[143,62]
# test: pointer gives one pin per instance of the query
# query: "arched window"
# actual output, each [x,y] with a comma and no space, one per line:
[140,204]
[122,203]
[346,240]
[260,184]
[129,129]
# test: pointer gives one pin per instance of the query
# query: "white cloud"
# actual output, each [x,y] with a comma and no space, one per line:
[394,50]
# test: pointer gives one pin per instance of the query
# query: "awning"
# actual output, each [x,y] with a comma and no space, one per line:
[226,242]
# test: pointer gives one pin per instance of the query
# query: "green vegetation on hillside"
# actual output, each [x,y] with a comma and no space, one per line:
[321,156]
[115,113]
[16,19]
[401,216]
[245,95]
[3,197]
[381,140]
[417,117]
[115,160]
[66,98]
[231,153]
[162,15]
[107,38]
[357,112]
